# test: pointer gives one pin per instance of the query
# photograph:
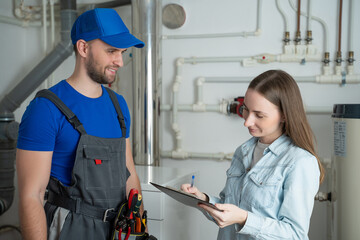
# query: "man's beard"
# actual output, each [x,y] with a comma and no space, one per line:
[95,75]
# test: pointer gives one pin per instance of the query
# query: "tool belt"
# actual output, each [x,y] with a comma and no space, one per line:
[76,206]
[129,225]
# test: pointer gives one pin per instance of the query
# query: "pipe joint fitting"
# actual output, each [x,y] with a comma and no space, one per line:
[179,154]
[177,83]
[199,107]
[200,81]
[258,32]
[180,62]
[175,127]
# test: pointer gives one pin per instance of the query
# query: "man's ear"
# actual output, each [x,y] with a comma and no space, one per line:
[82,47]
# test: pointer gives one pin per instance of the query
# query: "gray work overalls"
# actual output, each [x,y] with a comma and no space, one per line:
[87,208]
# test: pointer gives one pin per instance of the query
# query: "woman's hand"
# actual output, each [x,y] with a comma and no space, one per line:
[194,191]
[230,214]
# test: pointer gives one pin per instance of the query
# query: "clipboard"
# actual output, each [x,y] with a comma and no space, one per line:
[185,198]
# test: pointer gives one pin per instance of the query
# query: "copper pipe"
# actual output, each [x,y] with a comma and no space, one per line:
[351,58]
[287,38]
[298,33]
[338,54]
[340,18]
[298,16]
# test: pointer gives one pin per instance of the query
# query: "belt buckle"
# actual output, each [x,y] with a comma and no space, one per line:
[106,213]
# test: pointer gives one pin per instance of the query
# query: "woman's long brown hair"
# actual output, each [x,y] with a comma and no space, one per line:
[280,88]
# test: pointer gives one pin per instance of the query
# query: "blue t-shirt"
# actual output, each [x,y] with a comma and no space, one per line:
[44,128]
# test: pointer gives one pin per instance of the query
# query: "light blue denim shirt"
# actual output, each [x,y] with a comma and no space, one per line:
[278,192]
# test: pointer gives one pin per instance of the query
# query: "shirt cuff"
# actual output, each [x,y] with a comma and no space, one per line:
[214,200]
[253,225]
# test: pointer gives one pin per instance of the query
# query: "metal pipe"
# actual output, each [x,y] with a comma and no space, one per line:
[147,88]
[351,59]
[110,4]
[282,13]
[8,126]
[322,22]
[62,51]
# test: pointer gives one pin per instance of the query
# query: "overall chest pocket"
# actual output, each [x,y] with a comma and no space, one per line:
[261,190]
[103,168]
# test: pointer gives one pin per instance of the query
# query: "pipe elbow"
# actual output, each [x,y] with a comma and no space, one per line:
[175,128]
[176,84]
[200,81]
[258,32]
[180,62]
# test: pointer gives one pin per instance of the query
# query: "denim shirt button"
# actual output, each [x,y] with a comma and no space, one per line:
[248,169]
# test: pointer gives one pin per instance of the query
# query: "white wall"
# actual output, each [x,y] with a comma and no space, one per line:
[213,132]
[21,49]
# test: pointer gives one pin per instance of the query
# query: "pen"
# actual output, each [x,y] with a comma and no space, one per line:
[192,180]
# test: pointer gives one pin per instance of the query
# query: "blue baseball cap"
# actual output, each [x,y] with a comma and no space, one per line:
[104,24]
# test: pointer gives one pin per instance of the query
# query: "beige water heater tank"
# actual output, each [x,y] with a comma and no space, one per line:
[346,126]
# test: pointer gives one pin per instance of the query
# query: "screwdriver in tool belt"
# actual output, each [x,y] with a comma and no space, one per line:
[138,203]
[137,214]
[133,195]
[144,218]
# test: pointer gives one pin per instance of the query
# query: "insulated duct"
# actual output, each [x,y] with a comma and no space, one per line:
[8,126]
[146,71]
[110,4]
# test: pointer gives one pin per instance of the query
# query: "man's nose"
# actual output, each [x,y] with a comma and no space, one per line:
[119,60]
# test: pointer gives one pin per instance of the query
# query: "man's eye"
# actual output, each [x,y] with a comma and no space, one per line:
[259,116]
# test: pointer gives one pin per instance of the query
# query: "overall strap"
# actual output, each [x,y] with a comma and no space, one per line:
[70,116]
[118,110]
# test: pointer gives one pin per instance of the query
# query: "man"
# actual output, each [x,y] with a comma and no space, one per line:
[74,141]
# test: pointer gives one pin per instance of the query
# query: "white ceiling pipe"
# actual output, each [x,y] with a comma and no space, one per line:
[175,90]
[50,80]
[322,22]
[44,30]
[282,13]
[257,32]
[219,108]
[20,23]
[199,86]
[351,24]
[309,15]
[219,156]
[338,79]
[174,154]
[262,58]
[214,35]
[191,108]
[206,156]
[44,21]
[30,13]
[228,79]
[195,60]
[52,22]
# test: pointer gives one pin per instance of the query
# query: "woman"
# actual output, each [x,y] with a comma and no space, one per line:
[274,176]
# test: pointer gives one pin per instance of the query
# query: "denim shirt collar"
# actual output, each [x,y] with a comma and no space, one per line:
[277,147]
[280,145]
